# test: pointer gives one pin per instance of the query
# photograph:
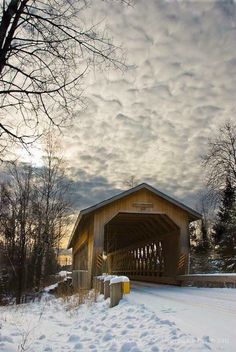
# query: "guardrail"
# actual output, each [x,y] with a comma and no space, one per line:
[112,286]
[208,280]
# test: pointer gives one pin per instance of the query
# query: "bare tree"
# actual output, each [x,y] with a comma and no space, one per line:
[51,209]
[131,182]
[16,222]
[220,161]
[220,167]
[45,50]
[34,210]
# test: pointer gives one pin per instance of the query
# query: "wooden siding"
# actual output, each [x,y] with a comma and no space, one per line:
[129,204]
[179,216]
[92,230]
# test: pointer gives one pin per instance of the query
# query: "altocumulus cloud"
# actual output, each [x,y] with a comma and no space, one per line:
[154,120]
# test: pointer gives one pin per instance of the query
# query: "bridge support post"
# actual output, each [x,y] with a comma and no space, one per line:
[102,287]
[116,290]
[106,289]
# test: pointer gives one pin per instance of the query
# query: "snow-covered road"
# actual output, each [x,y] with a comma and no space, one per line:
[208,313]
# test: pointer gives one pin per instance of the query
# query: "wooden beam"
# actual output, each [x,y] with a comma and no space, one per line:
[134,246]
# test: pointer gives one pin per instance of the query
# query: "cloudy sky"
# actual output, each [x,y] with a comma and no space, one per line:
[154,120]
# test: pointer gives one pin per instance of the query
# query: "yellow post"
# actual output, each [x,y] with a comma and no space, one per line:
[126,287]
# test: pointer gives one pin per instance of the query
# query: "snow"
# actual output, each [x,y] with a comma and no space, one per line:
[152,318]
[208,313]
[50,288]
[64,273]
[119,279]
[109,277]
[212,274]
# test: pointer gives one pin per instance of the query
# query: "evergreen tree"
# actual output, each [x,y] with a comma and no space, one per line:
[226,222]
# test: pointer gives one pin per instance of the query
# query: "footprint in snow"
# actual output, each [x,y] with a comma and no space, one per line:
[63,324]
[42,337]
[168,310]
[206,339]
[145,333]
[131,310]
[73,338]
[130,326]
[167,322]
[107,337]
[128,346]
[154,349]
[128,317]
[124,332]
[92,347]
[174,337]
[78,346]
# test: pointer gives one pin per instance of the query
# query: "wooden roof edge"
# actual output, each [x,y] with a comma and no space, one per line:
[73,231]
[105,202]
[194,215]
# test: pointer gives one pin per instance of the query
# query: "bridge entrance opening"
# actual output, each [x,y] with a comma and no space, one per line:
[143,246]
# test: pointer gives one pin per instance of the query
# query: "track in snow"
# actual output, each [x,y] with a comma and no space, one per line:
[203,312]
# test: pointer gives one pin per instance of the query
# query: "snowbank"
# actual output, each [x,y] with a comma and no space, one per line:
[50,326]
[210,274]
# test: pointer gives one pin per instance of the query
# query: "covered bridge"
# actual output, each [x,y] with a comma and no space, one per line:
[141,233]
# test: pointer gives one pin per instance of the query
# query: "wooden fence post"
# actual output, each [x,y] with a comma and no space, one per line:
[101,286]
[106,289]
[116,292]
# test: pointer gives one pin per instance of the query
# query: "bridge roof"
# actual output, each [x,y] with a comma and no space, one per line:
[193,214]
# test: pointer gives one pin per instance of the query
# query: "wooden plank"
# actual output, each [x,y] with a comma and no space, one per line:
[134,245]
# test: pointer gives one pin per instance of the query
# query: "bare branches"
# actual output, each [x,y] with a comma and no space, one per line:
[131,181]
[45,51]
[220,161]
[33,216]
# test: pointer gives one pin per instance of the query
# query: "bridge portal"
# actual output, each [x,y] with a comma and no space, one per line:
[141,233]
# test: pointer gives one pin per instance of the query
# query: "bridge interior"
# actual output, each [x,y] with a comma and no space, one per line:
[143,246]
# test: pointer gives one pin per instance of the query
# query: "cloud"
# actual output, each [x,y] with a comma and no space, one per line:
[154,120]
[87,190]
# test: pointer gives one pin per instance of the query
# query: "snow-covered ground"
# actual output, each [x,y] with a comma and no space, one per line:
[151,318]
[208,313]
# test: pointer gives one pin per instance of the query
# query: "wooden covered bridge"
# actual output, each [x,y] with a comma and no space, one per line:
[141,233]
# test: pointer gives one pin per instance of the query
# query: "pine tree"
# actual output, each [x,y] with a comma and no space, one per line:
[226,222]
